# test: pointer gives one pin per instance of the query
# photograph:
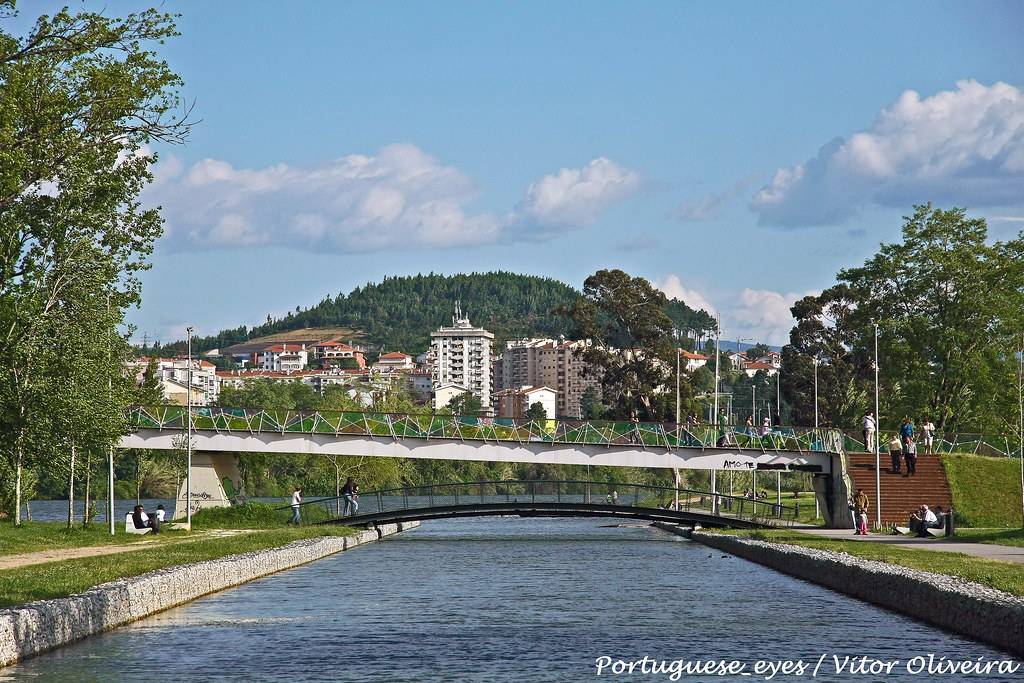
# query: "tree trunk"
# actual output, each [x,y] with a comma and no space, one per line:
[71,489]
[17,489]
[88,483]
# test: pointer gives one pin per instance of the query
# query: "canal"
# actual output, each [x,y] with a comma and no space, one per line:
[513,599]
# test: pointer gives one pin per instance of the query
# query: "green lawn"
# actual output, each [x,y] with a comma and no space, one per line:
[60,579]
[35,536]
[993,536]
[1004,576]
[986,491]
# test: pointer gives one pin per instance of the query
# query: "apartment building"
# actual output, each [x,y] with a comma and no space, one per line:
[548,363]
[460,355]
[284,358]
[172,373]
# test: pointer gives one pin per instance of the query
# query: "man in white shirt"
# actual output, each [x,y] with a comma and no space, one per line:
[923,520]
[928,430]
[296,502]
[869,432]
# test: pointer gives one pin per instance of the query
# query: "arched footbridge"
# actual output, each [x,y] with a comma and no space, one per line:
[550,499]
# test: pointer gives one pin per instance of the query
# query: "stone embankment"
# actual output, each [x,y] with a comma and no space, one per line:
[948,602]
[37,627]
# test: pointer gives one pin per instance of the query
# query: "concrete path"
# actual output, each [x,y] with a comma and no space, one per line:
[1007,553]
[61,554]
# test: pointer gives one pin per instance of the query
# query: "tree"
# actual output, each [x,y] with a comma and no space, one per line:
[632,339]
[465,403]
[536,411]
[946,301]
[590,404]
[758,350]
[81,97]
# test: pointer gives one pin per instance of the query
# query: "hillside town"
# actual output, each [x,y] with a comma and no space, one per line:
[462,360]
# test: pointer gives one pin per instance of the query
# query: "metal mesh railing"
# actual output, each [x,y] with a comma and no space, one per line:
[455,427]
[568,494]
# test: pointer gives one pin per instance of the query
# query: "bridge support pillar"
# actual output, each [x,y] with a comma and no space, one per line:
[832,490]
[215,481]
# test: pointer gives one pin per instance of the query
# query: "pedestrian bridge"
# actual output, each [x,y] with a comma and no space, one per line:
[448,437]
[551,499]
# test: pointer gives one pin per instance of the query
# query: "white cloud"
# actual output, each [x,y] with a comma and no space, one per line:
[401,197]
[673,288]
[576,196]
[963,146]
[759,315]
[764,315]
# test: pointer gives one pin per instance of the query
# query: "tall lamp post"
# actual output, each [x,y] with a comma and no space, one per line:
[718,362]
[878,457]
[817,361]
[1020,425]
[188,435]
[675,470]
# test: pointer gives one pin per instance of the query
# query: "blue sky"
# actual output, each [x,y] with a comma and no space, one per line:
[737,154]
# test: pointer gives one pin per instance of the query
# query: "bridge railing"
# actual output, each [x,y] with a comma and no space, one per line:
[570,492]
[997,445]
[455,427]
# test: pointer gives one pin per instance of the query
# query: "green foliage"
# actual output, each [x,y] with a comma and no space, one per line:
[947,302]
[81,95]
[536,411]
[986,491]
[590,404]
[252,515]
[465,403]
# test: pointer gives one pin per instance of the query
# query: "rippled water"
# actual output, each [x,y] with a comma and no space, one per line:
[502,600]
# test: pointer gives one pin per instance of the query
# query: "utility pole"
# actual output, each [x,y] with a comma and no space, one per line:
[816,362]
[188,435]
[110,452]
[878,456]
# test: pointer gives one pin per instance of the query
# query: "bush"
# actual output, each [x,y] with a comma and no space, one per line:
[254,516]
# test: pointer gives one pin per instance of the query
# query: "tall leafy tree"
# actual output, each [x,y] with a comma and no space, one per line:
[81,97]
[632,340]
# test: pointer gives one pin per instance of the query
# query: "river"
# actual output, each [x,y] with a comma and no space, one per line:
[503,599]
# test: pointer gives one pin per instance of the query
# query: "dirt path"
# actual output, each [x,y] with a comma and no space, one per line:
[60,554]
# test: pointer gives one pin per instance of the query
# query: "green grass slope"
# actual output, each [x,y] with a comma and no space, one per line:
[986,491]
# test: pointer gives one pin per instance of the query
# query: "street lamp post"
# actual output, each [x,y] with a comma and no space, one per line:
[816,362]
[1020,425]
[188,435]
[878,456]
[718,361]
[675,470]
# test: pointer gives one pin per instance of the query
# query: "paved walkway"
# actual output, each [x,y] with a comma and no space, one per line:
[61,554]
[1007,553]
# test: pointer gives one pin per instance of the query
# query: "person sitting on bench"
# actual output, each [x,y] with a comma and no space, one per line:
[922,520]
[142,521]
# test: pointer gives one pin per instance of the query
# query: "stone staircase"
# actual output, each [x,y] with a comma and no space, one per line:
[900,495]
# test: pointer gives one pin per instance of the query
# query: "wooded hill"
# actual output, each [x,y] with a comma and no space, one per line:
[399,313]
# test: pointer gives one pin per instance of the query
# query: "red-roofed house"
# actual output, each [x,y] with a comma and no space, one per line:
[753,367]
[692,361]
[394,361]
[334,350]
[284,357]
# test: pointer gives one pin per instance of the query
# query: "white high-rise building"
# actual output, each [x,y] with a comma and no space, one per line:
[460,356]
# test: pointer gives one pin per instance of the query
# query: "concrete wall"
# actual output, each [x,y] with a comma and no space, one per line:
[37,627]
[950,603]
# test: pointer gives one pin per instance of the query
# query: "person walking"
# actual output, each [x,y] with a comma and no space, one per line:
[296,503]
[869,432]
[910,456]
[863,503]
[350,492]
[895,452]
[634,430]
[906,434]
[928,432]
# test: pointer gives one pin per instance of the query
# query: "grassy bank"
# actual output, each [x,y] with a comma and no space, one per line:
[993,536]
[60,579]
[1004,576]
[986,491]
[36,536]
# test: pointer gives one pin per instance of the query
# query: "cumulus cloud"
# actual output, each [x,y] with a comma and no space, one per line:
[962,146]
[576,196]
[760,315]
[672,286]
[764,315]
[400,197]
